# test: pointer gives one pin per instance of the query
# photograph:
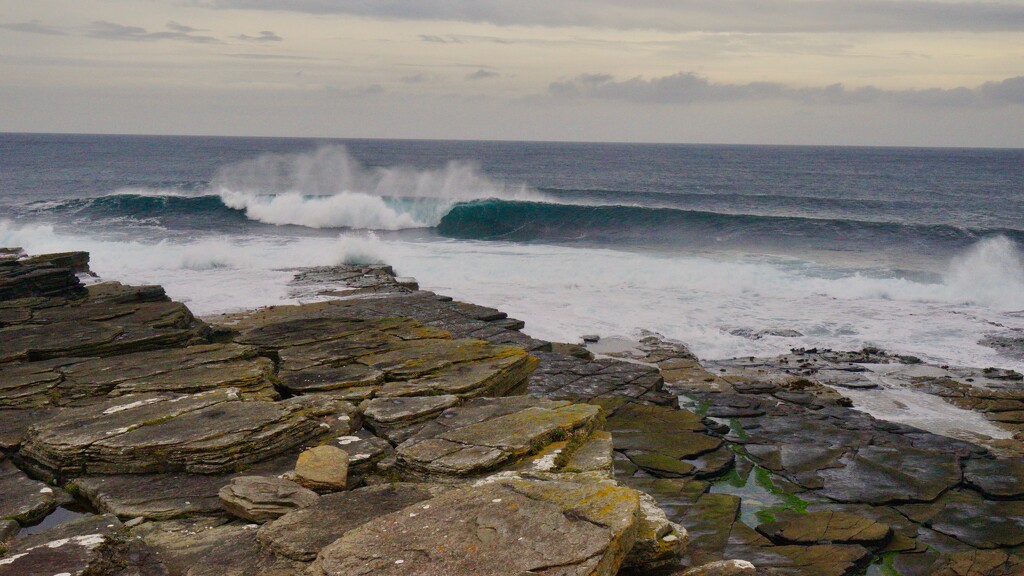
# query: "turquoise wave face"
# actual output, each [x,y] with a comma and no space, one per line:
[668,227]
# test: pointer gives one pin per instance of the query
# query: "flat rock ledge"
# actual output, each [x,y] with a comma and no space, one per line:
[331,438]
[151,443]
[207,433]
[510,526]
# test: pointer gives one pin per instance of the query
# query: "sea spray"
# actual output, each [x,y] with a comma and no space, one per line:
[358,250]
[562,292]
[328,188]
[990,273]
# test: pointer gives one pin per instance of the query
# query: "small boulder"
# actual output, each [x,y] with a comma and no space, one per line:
[262,498]
[323,468]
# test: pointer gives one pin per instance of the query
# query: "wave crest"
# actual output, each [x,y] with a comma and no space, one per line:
[329,188]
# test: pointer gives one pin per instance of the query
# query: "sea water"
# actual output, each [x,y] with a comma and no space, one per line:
[916,251]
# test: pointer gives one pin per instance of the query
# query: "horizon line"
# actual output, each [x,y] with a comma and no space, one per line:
[508,140]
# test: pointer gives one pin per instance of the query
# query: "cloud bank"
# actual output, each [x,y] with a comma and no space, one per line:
[679,16]
[687,87]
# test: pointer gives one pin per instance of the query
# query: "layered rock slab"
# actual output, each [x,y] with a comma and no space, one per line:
[826,527]
[80,381]
[488,433]
[301,534]
[394,357]
[213,547]
[207,433]
[509,526]
[92,545]
[112,319]
[22,498]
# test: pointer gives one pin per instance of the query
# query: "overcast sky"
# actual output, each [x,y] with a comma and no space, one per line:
[874,72]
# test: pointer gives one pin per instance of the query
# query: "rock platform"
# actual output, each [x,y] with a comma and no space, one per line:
[186,443]
[390,430]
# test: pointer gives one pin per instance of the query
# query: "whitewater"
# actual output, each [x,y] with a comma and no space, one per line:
[571,259]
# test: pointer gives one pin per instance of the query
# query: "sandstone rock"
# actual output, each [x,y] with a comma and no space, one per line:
[486,434]
[213,547]
[21,498]
[393,356]
[659,542]
[208,432]
[723,568]
[879,474]
[8,530]
[826,527]
[996,478]
[323,468]
[15,424]
[714,463]
[364,451]
[110,321]
[91,545]
[594,455]
[981,563]
[152,496]
[504,371]
[183,371]
[660,465]
[262,498]
[301,534]
[508,526]
[27,385]
[331,378]
[968,517]
[825,559]
[396,419]
[709,522]
[35,277]
[74,261]
[564,377]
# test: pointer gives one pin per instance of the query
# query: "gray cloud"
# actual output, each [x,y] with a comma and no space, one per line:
[1010,90]
[249,56]
[172,25]
[357,91]
[264,36]
[33,27]
[482,74]
[703,15]
[415,79]
[440,39]
[112,31]
[687,88]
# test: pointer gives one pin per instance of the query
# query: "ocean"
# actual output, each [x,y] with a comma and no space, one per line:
[734,250]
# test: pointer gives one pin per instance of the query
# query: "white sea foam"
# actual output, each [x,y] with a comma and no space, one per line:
[990,273]
[328,188]
[564,292]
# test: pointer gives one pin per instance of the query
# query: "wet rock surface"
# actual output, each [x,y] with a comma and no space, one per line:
[486,434]
[828,488]
[23,499]
[95,545]
[145,413]
[301,534]
[504,527]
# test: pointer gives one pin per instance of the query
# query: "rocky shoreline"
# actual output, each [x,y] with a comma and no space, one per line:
[391,430]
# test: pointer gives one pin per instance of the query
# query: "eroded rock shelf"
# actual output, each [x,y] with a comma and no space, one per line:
[390,430]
